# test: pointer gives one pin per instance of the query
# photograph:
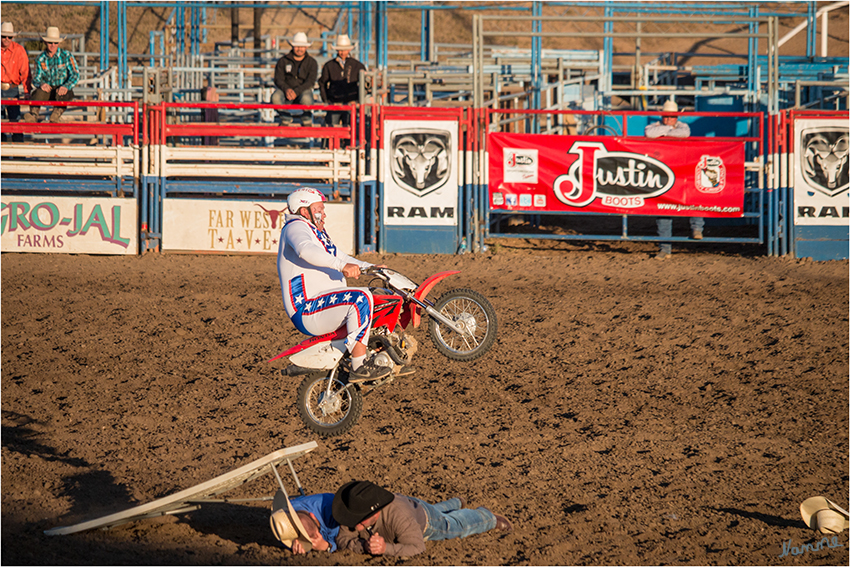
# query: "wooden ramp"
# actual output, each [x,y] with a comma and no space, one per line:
[192,498]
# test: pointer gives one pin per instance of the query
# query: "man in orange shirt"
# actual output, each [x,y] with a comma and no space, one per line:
[16,74]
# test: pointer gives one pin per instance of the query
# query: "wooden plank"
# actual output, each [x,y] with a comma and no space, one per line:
[53,168]
[252,154]
[69,152]
[179,501]
[274,172]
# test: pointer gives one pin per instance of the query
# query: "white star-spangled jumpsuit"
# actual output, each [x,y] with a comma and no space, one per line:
[313,285]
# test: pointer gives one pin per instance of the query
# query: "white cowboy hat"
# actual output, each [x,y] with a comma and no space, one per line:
[825,515]
[343,43]
[670,106]
[300,40]
[7,29]
[286,525]
[53,35]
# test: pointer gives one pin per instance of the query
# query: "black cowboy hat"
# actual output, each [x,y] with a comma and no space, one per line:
[357,500]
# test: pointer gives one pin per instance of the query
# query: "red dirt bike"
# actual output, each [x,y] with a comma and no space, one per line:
[462,326]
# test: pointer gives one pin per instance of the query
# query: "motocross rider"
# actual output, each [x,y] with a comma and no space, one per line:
[312,278]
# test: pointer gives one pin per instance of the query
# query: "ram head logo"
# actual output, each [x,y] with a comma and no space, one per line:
[421,159]
[824,159]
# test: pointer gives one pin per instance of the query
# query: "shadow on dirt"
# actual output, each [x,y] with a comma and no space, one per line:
[19,438]
[240,524]
[770,520]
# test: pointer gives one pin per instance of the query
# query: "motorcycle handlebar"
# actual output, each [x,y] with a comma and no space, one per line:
[375,271]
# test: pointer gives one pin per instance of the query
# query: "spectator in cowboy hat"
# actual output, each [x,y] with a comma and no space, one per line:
[305,523]
[671,127]
[375,521]
[16,74]
[55,76]
[294,76]
[340,78]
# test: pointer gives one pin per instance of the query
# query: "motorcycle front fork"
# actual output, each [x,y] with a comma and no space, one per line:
[332,377]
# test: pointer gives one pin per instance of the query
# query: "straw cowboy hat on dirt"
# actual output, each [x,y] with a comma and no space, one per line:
[286,525]
[7,29]
[53,36]
[824,515]
[343,43]
[300,40]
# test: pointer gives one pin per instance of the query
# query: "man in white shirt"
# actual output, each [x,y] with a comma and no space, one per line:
[312,278]
[671,127]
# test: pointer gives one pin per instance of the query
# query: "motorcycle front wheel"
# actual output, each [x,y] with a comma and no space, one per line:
[328,410]
[478,318]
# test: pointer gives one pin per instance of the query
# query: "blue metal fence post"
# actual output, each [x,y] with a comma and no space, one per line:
[152,48]
[180,24]
[203,25]
[104,35]
[424,34]
[323,51]
[752,62]
[365,30]
[194,31]
[162,49]
[536,61]
[607,76]
[381,40]
[122,45]
[811,29]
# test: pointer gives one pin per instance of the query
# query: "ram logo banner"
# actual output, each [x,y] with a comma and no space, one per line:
[421,159]
[823,159]
[821,196]
[69,225]
[606,174]
[420,175]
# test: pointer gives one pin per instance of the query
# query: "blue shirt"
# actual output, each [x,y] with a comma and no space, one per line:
[320,506]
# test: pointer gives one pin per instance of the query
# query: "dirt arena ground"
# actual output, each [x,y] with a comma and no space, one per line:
[632,412]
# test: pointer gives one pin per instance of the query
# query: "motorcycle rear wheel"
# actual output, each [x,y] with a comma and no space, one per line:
[328,415]
[479,318]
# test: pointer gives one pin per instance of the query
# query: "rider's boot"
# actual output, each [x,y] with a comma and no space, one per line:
[56,115]
[369,371]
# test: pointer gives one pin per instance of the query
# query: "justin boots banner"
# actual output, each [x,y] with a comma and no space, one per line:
[681,177]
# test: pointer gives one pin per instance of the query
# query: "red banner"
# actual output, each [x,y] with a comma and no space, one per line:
[662,177]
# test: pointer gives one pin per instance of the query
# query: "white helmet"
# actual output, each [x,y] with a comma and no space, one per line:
[303,198]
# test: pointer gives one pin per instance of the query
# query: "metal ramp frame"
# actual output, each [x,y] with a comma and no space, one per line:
[192,498]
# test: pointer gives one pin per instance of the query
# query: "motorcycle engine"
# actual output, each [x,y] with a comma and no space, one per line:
[403,348]
[383,359]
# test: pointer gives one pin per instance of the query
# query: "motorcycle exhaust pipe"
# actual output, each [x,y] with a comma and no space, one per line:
[295,370]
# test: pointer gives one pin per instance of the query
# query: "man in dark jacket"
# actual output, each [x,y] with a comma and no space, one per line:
[339,81]
[375,521]
[294,76]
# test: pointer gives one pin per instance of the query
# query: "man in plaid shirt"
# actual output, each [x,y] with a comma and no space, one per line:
[55,75]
